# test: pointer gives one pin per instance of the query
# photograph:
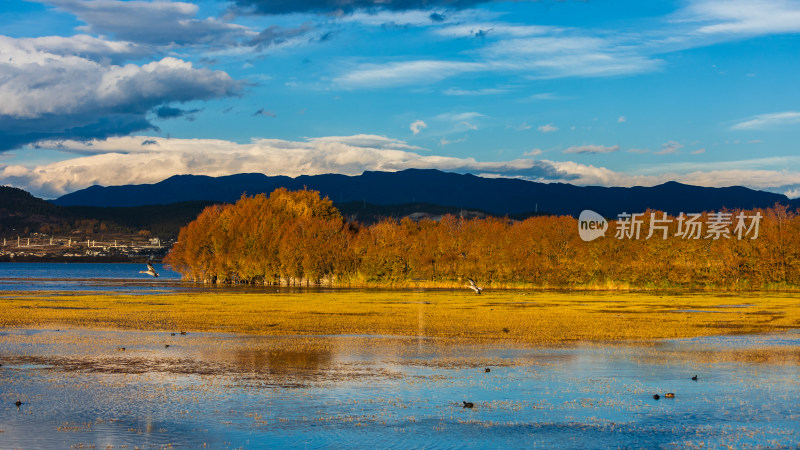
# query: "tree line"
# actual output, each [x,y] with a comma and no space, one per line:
[297,237]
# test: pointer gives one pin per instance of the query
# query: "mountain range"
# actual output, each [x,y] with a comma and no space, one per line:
[497,196]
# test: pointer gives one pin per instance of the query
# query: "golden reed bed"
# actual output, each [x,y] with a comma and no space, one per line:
[526,317]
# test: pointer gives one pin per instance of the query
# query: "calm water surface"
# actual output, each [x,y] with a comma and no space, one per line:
[79,387]
[117,277]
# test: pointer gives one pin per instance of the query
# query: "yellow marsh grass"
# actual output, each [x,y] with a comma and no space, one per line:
[529,317]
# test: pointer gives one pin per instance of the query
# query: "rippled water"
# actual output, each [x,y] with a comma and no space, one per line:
[79,387]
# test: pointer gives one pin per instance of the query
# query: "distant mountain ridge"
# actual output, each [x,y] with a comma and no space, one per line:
[499,196]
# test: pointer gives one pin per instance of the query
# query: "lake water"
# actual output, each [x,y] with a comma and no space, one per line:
[80,388]
[86,277]
[120,278]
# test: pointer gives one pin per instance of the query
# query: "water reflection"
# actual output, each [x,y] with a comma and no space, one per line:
[290,361]
[77,387]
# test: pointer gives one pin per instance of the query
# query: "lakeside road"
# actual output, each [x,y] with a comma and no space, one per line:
[525,317]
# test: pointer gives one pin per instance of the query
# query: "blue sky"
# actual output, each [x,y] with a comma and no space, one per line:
[614,93]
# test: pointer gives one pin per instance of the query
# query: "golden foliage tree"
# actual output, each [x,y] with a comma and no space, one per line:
[299,237]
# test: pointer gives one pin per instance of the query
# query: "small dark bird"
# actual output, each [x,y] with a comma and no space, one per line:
[150,271]
[122,349]
[656,397]
[669,395]
[18,403]
[694,378]
[173,334]
[166,345]
[183,333]
[474,286]
[468,404]
[488,370]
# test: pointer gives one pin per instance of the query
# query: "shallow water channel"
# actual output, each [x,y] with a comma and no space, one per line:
[229,391]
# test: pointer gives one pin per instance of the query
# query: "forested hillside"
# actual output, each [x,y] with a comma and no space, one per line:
[22,212]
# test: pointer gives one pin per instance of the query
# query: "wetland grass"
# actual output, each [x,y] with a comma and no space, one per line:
[526,317]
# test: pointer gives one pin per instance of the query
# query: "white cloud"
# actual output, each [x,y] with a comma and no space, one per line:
[759,164]
[763,121]
[545,96]
[154,23]
[549,45]
[414,17]
[622,119]
[521,127]
[533,152]
[792,193]
[669,148]
[580,174]
[549,128]
[39,83]
[51,95]
[383,18]
[460,117]
[417,126]
[756,179]
[699,151]
[484,91]
[405,73]
[569,55]
[556,55]
[545,52]
[592,149]
[750,17]
[444,141]
[484,29]
[84,46]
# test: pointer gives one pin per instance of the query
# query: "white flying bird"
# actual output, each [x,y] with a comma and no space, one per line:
[150,270]
[474,286]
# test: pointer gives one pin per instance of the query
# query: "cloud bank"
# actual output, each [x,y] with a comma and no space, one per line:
[764,121]
[147,159]
[51,89]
